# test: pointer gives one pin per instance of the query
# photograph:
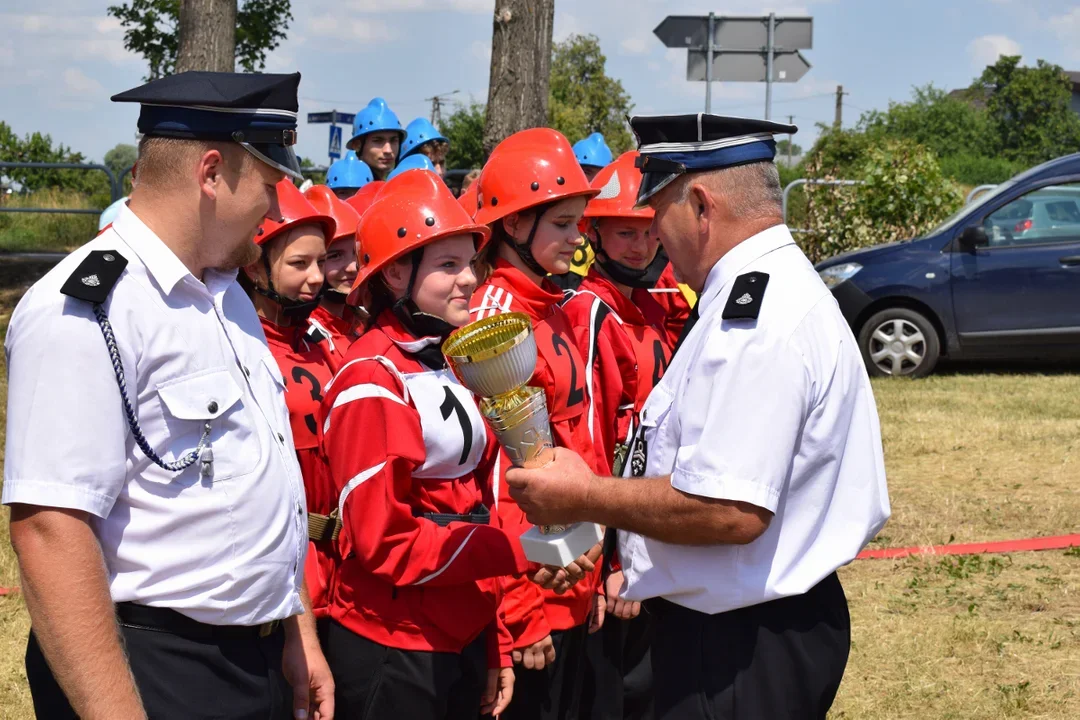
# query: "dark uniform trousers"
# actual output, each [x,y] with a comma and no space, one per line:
[188,671]
[376,682]
[553,693]
[780,660]
[620,670]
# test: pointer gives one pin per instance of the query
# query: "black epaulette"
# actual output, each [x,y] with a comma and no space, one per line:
[96,276]
[744,303]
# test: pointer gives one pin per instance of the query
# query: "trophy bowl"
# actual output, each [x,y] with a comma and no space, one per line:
[493,356]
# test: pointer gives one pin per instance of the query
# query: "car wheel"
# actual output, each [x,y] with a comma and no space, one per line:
[899,342]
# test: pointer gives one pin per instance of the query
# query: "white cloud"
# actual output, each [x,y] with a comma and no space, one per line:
[74,37]
[370,32]
[1067,27]
[636,45]
[987,49]
[77,82]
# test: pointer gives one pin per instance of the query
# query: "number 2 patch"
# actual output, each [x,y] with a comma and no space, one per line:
[554,340]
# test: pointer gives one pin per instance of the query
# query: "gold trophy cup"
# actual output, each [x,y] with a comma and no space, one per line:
[494,358]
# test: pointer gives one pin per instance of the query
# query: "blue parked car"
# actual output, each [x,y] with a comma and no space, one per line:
[999,279]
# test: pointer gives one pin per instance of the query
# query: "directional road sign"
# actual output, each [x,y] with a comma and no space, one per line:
[333,117]
[746,66]
[740,32]
[740,49]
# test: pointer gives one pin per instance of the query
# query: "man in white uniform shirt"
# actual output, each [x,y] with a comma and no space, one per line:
[156,502]
[758,464]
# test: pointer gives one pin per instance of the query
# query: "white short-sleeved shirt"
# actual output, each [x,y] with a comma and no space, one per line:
[776,412]
[225,547]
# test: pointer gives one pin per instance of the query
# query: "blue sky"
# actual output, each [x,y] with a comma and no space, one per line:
[60,60]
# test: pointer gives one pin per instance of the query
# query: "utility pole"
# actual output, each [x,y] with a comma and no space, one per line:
[790,121]
[839,121]
[436,106]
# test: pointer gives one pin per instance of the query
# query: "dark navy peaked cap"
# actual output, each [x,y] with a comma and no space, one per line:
[671,145]
[254,109]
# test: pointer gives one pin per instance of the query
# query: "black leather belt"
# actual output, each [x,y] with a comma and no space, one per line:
[480,515]
[170,621]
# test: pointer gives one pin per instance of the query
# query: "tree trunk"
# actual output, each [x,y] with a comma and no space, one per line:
[520,68]
[207,36]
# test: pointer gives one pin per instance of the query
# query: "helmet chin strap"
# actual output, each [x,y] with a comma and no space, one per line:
[524,250]
[333,296]
[295,310]
[421,324]
[626,275]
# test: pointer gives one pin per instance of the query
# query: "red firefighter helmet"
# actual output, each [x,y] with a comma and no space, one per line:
[411,211]
[529,168]
[468,199]
[362,198]
[295,211]
[345,217]
[617,185]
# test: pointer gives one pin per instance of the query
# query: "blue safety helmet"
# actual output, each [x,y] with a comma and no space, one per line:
[376,117]
[413,162]
[418,132]
[592,151]
[348,172]
[109,214]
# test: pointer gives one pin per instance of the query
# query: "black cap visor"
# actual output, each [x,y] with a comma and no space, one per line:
[276,156]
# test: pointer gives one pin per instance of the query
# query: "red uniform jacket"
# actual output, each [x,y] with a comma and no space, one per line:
[676,309]
[306,369]
[401,440]
[339,333]
[627,348]
[561,372]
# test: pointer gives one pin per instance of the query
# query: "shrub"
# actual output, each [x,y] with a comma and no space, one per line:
[904,193]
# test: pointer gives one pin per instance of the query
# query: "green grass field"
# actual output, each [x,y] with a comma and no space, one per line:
[27,232]
[971,455]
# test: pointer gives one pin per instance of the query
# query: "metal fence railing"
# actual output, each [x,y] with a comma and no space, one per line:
[975,191]
[804,181]
[115,187]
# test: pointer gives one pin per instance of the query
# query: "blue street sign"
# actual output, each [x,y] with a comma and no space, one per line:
[333,117]
[335,142]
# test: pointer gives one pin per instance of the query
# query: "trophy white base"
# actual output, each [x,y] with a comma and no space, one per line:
[562,548]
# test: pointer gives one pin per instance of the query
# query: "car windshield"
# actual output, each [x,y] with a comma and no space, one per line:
[974,205]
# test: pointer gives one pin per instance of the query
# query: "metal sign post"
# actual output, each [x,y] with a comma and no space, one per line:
[740,49]
[708,64]
[333,118]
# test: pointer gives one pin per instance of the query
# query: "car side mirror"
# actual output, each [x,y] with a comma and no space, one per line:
[973,237]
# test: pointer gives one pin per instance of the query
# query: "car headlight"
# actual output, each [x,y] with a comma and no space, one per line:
[833,276]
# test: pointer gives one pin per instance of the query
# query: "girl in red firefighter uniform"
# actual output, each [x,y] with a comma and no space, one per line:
[415,630]
[623,327]
[334,317]
[532,192]
[284,285]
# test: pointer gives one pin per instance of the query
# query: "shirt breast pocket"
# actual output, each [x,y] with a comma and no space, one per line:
[209,397]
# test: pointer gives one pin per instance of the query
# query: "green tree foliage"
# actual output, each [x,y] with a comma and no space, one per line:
[121,157]
[583,98]
[945,124]
[465,131]
[782,147]
[903,194]
[1029,110]
[36,147]
[150,29]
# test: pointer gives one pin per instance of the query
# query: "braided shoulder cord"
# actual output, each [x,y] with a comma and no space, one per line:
[118,369]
